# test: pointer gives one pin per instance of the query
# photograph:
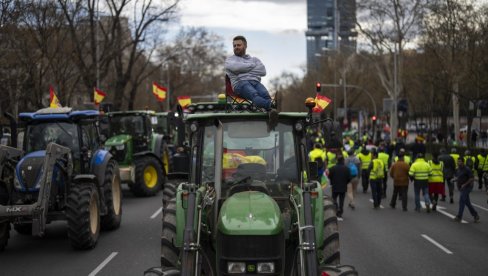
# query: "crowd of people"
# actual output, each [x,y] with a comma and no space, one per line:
[434,175]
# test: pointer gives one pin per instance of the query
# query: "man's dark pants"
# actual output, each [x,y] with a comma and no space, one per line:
[402,192]
[376,191]
[365,179]
[464,200]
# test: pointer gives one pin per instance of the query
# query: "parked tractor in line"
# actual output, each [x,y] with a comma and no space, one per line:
[142,154]
[61,173]
[253,203]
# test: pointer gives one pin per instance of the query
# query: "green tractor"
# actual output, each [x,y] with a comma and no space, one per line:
[142,154]
[253,204]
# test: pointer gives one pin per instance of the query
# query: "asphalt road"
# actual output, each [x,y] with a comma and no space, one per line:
[377,242]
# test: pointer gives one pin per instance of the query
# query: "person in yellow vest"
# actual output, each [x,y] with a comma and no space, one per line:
[385,158]
[482,168]
[436,180]
[469,160]
[330,159]
[318,155]
[419,173]
[454,156]
[406,158]
[365,159]
[376,175]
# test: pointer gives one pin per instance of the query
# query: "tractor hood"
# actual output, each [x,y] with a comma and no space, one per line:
[118,140]
[250,213]
[28,171]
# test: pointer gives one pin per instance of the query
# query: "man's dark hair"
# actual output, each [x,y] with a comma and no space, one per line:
[240,37]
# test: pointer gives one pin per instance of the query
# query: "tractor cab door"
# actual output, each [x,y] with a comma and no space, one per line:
[89,141]
[142,133]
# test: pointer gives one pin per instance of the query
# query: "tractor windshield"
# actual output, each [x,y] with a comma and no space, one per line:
[253,157]
[131,125]
[39,135]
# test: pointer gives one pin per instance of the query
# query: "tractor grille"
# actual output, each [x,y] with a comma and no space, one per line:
[119,155]
[30,171]
[251,249]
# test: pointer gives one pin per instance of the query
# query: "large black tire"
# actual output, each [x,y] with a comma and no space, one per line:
[169,252]
[149,177]
[83,214]
[113,197]
[169,192]
[329,251]
[23,229]
[4,234]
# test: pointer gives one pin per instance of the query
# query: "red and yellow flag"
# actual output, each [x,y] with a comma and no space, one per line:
[184,101]
[159,91]
[53,99]
[98,96]
[321,102]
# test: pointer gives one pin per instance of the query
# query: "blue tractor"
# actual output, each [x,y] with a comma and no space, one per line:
[61,172]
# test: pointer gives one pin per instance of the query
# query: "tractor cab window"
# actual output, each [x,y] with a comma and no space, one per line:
[257,159]
[38,136]
[89,136]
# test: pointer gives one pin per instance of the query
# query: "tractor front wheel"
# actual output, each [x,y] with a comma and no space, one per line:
[4,234]
[113,197]
[330,254]
[149,177]
[83,214]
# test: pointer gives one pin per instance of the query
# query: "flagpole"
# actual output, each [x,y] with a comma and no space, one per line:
[97,54]
[168,96]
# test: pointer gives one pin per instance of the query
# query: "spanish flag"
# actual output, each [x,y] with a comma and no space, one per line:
[321,102]
[53,99]
[159,91]
[184,101]
[98,96]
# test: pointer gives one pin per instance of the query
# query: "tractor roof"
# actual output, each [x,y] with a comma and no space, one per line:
[62,113]
[131,113]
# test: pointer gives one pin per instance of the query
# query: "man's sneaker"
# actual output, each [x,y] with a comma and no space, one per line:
[457,219]
[351,206]
[434,207]
[476,219]
[451,200]
[273,119]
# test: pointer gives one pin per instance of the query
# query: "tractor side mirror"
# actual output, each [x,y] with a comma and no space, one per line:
[314,171]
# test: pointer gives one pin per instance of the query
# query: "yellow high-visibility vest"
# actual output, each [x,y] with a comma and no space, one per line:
[420,170]
[365,160]
[378,170]
[437,172]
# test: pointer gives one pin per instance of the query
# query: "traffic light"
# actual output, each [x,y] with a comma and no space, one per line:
[317,87]
[373,118]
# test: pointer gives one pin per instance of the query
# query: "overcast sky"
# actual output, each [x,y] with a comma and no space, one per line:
[274,29]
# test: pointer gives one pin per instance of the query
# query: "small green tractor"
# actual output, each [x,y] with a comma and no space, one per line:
[62,172]
[252,205]
[142,153]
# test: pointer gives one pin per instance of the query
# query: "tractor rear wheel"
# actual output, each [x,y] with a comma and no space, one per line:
[83,214]
[24,228]
[149,177]
[4,234]
[169,192]
[169,252]
[113,197]
[330,254]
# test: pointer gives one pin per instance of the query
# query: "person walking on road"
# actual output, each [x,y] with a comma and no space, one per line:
[449,168]
[482,168]
[376,175]
[353,163]
[399,172]
[436,180]
[385,158]
[365,158]
[464,178]
[339,177]
[419,173]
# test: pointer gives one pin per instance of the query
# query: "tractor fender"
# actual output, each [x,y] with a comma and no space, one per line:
[99,165]
[158,143]
[85,178]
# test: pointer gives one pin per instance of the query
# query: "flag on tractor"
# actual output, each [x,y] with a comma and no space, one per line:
[159,91]
[98,96]
[53,99]
[321,102]
[184,101]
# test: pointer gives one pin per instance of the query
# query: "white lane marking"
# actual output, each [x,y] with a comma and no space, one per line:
[441,209]
[372,201]
[103,264]
[157,213]
[437,244]
[340,219]
[476,205]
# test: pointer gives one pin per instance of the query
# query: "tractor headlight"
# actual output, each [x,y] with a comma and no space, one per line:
[268,267]
[236,267]
[299,126]
[17,183]
[120,147]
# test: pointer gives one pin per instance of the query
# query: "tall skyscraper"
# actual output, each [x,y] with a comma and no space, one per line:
[331,27]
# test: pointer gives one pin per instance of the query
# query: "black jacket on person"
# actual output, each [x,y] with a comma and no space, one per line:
[449,165]
[339,176]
